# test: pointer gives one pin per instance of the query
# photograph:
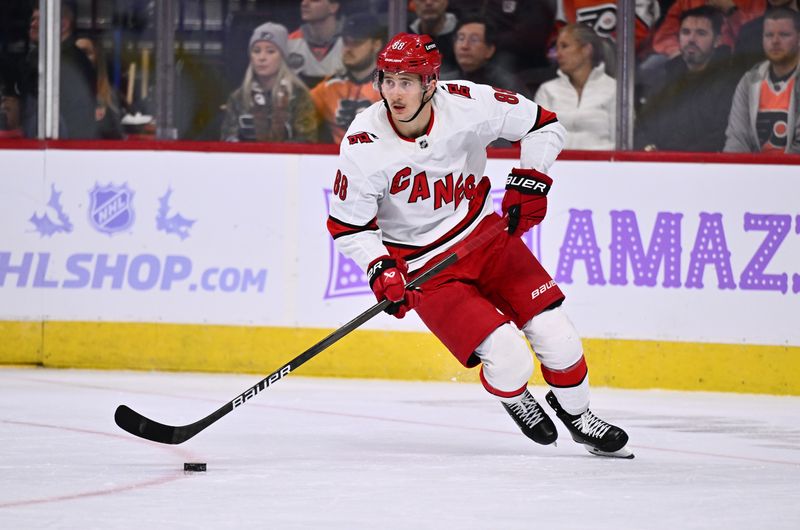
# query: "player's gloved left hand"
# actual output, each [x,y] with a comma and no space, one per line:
[525,200]
[387,278]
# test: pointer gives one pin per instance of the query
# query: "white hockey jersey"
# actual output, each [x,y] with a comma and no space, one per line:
[415,198]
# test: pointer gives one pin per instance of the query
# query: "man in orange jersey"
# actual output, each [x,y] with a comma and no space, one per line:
[765,116]
[340,97]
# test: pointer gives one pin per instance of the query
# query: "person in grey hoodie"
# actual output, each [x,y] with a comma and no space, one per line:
[765,116]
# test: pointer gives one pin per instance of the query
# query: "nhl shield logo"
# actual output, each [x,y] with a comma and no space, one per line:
[111,208]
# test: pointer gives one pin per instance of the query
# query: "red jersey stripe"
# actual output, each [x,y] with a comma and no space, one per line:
[339,228]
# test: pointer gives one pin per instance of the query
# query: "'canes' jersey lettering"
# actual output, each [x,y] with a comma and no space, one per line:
[415,198]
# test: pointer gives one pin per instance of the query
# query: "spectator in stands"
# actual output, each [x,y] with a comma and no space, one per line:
[272,104]
[524,35]
[601,15]
[107,112]
[315,48]
[433,19]
[688,110]
[339,98]
[77,84]
[583,95]
[749,46]
[736,13]
[10,118]
[475,45]
[765,117]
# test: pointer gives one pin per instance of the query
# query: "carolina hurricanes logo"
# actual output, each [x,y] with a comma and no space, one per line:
[361,138]
[458,90]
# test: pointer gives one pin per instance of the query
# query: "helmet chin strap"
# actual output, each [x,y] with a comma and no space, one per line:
[423,101]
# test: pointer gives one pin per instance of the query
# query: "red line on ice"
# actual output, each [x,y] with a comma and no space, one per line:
[96,493]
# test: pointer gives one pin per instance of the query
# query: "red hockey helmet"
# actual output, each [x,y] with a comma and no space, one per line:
[412,54]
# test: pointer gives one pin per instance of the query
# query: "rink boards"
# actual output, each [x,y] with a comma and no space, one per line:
[678,275]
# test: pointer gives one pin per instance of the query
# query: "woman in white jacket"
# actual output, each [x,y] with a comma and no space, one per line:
[583,95]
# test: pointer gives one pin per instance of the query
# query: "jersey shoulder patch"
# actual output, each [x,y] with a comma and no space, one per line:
[361,137]
[457,89]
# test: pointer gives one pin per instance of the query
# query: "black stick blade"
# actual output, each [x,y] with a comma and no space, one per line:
[136,424]
[131,421]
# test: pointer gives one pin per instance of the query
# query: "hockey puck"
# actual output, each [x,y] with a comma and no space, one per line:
[191,467]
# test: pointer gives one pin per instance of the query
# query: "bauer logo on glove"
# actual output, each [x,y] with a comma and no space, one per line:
[525,200]
[527,185]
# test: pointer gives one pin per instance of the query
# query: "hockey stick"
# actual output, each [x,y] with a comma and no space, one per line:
[138,425]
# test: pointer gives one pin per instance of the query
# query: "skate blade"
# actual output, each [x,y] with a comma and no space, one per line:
[620,453]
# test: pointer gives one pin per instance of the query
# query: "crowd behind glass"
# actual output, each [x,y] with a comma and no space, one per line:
[710,75]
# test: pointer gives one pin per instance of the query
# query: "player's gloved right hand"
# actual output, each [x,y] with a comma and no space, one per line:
[525,200]
[387,278]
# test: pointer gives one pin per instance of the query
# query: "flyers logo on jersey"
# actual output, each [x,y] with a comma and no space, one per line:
[361,137]
[602,18]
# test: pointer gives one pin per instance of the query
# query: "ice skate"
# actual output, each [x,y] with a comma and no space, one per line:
[532,419]
[599,437]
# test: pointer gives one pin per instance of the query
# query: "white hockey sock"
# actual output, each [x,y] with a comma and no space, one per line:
[507,363]
[574,400]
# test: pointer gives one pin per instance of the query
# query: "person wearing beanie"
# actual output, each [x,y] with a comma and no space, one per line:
[272,104]
[339,98]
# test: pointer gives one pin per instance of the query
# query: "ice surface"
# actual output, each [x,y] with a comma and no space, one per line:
[347,454]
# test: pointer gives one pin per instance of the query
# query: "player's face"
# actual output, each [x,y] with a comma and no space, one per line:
[403,93]
[697,40]
[265,58]
[571,54]
[359,54]
[316,10]
[471,49]
[781,42]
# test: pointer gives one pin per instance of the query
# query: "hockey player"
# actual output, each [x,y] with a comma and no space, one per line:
[409,186]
